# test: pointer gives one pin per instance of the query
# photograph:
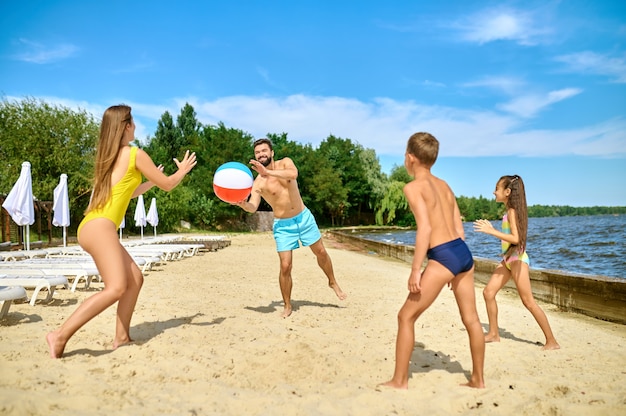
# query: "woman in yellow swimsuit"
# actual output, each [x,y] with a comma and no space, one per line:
[118,172]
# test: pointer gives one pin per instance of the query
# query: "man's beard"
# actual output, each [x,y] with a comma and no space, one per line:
[266,162]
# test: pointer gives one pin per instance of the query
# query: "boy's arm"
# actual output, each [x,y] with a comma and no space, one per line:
[458,224]
[422,238]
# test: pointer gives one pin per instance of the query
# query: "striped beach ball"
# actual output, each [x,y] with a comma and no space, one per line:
[232,182]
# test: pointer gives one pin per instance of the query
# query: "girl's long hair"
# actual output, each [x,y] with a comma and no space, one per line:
[114,122]
[517,201]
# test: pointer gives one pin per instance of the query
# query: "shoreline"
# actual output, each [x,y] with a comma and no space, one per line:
[600,297]
[209,340]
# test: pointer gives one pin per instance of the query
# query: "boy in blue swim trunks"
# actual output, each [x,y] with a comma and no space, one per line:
[440,239]
[293,222]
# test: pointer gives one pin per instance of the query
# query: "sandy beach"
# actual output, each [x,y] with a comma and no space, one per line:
[209,340]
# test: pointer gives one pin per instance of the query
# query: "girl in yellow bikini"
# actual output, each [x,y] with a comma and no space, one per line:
[515,262]
[118,172]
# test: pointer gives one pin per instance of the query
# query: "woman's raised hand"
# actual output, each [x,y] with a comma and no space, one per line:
[188,162]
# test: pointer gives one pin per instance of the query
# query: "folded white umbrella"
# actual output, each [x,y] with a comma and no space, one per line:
[140,214]
[19,202]
[61,207]
[153,215]
[122,225]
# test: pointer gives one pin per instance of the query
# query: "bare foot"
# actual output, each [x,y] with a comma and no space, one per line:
[551,346]
[286,312]
[492,338]
[55,345]
[476,384]
[121,343]
[392,385]
[338,291]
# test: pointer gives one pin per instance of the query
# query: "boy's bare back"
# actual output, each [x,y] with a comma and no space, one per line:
[444,218]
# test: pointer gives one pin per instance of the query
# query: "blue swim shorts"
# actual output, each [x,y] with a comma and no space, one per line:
[453,255]
[290,232]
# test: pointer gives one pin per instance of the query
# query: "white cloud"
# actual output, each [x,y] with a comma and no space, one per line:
[435,84]
[507,85]
[42,54]
[522,27]
[594,63]
[525,102]
[146,115]
[385,124]
[530,104]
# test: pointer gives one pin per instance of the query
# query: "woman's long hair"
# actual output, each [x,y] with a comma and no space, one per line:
[517,201]
[114,122]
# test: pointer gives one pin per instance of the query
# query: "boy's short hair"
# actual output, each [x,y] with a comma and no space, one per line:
[424,147]
[263,140]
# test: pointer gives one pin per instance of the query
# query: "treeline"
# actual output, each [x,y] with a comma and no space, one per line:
[567,211]
[476,208]
[340,180]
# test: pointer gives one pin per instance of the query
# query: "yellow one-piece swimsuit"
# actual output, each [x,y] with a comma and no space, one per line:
[116,206]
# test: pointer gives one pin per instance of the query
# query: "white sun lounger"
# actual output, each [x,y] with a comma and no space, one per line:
[23,254]
[167,252]
[153,251]
[76,271]
[12,255]
[189,249]
[7,295]
[144,262]
[35,281]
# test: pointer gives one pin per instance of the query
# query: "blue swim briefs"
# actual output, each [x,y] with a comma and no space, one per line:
[290,232]
[453,255]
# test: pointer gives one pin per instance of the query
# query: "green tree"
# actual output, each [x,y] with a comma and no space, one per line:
[333,198]
[218,145]
[393,201]
[376,183]
[164,146]
[55,140]
[374,176]
[189,128]
[399,174]
[345,158]
[393,208]
[168,143]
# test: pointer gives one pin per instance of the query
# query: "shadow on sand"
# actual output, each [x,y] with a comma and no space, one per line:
[295,305]
[145,331]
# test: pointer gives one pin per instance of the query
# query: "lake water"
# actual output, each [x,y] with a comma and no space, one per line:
[592,245]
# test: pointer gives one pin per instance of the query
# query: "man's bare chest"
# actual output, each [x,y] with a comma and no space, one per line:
[273,186]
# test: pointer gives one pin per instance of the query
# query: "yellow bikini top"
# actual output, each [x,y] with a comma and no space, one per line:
[121,193]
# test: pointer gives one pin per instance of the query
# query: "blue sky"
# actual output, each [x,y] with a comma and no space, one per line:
[535,88]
